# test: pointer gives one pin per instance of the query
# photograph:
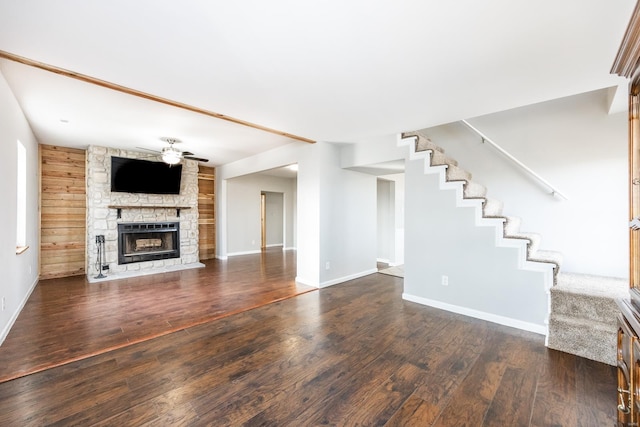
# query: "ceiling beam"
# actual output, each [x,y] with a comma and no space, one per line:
[134,92]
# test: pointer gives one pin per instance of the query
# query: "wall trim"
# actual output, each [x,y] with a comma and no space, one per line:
[257,251]
[14,316]
[490,317]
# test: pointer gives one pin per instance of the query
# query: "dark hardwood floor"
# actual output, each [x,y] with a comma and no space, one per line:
[347,355]
[70,319]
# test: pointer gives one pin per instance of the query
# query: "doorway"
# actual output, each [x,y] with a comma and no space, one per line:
[271,219]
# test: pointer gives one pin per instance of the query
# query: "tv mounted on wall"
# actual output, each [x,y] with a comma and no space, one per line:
[144,176]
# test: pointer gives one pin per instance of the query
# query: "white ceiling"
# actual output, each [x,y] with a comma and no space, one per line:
[328,70]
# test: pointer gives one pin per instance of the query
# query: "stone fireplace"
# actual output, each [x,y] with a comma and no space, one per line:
[110,213]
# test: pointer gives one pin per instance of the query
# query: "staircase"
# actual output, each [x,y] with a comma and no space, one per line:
[491,208]
[583,311]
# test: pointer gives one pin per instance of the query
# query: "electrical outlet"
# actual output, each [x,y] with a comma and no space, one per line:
[445,280]
[105,267]
[4,304]
[327,265]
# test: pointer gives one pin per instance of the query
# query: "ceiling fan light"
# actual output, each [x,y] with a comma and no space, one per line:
[171,156]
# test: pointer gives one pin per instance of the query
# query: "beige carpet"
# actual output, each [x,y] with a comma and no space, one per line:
[583,315]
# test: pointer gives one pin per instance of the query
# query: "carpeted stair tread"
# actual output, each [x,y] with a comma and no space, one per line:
[473,190]
[492,208]
[583,337]
[583,296]
[533,239]
[593,285]
[438,158]
[551,257]
[512,225]
[454,173]
[423,143]
[598,308]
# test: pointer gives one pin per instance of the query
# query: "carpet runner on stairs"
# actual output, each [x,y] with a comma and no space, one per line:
[583,315]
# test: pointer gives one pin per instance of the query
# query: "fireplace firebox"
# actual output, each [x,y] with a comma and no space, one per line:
[148,241]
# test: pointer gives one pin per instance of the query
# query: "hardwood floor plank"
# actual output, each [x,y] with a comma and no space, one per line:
[380,405]
[413,412]
[593,390]
[556,400]
[450,368]
[517,385]
[474,395]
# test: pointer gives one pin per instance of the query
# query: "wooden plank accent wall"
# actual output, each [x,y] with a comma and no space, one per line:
[62,212]
[206,212]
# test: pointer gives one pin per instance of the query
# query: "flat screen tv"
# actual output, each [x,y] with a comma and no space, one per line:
[144,176]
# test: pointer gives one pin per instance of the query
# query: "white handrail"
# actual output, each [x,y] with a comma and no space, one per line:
[485,138]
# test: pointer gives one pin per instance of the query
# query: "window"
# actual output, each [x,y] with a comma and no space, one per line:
[21,202]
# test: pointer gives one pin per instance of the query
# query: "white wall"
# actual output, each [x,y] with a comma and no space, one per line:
[575,145]
[243,211]
[19,272]
[484,280]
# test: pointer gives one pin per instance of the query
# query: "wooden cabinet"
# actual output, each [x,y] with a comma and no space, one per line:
[628,365]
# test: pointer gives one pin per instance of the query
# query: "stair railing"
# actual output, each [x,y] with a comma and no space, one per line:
[485,138]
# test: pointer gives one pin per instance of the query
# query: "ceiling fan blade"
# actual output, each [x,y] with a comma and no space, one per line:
[187,153]
[199,159]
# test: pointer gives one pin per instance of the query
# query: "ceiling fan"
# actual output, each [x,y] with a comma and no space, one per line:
[172,155]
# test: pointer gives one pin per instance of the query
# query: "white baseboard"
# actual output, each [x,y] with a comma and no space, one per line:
[273,245]
[257,251]
[14,317]
[490,317]
[347,278]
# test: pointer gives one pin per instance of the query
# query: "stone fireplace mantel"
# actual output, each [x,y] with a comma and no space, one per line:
[119,208]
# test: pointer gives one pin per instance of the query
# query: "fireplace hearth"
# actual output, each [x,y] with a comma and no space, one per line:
[148,241]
